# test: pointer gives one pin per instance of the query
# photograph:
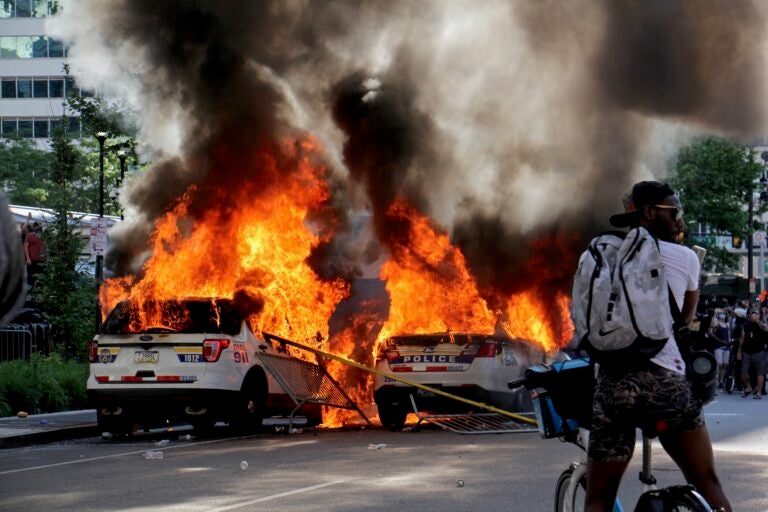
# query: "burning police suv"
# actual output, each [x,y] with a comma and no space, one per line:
[193,360]
[473,366]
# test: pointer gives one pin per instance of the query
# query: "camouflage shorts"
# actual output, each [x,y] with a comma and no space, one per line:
[620,401]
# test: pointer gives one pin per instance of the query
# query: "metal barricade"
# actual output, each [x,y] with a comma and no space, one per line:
[305,382]
[27,334]
[15,343]
[475,423]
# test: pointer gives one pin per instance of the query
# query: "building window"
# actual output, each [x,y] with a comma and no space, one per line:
[27,8]
[56,88]
[70,87]
[7,47]
[23,8]
[27,47]
[24,88]
[40,88]
[40,47]
[73,126]
[44,8]
[6,8]
[8,126]
[9,88]
[16,47]
[41,128]
[26,128]
[56,48]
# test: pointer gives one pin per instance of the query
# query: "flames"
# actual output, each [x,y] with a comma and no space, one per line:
[432,290]
[253,243]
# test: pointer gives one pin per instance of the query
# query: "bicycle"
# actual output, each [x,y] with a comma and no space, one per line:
[562,396]
[731,376]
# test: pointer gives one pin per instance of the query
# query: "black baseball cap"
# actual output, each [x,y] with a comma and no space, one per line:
[643,193]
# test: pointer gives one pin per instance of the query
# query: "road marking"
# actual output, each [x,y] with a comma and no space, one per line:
[276,496]
[115,455]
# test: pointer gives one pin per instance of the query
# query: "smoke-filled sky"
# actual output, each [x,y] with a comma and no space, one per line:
[502,120]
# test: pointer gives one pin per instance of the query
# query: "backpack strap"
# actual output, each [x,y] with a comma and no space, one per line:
[682,333]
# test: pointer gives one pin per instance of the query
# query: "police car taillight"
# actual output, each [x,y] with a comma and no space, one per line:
[93,350]
[488,349]
[391,355]
[212,349]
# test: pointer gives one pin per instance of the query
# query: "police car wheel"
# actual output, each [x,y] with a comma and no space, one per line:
[392,416]
[118,427]
[251,406]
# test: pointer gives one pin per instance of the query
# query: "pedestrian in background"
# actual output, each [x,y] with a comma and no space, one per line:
[34,250]
[720,332]
[751,353]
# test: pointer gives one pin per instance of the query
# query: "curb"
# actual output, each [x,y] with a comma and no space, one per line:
[49,436]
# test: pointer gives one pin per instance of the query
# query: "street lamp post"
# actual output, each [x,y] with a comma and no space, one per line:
[101,137]
[121,154]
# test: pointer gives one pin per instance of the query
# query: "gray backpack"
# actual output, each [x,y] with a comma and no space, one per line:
[620,302]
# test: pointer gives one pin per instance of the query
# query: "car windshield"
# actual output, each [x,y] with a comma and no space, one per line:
[215,316]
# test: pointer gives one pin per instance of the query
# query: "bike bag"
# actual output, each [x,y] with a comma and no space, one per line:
[562,396]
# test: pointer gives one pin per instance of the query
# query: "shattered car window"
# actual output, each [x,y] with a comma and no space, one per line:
[182,316]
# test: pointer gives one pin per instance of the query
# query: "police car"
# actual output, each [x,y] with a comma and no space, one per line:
[470,365]
[195,362]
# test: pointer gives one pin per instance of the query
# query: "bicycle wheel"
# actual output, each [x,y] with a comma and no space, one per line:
[730,383]
[575,501]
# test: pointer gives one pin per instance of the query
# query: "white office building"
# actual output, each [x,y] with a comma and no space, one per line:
[33,82]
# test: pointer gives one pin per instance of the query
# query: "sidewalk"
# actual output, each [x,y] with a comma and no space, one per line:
[47,428]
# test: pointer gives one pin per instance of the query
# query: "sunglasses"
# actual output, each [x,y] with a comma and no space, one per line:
[677,213]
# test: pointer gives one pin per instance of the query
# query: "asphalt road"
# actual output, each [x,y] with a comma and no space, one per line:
[341,471]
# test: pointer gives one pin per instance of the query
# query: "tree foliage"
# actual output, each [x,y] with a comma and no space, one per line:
[715,179]
[67,297]
[24,173]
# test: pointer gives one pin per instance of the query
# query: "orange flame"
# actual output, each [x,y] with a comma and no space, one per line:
[253,246]
[432,290]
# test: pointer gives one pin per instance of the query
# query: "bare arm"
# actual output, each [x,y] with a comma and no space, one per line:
[26,252]
[690,301]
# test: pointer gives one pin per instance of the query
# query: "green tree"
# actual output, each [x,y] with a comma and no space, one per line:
[24,172]
[67,297]
[716,178]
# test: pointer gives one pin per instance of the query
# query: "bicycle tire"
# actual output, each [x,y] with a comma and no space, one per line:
[561,492]
[730,384]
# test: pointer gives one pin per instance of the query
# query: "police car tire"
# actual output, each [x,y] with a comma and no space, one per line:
[121,427]
[251,405]
[392,416]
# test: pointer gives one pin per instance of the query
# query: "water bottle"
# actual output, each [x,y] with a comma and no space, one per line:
[153,455]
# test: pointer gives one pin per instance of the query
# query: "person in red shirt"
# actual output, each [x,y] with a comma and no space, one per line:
[34,250]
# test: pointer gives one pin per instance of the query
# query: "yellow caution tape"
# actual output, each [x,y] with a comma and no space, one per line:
[344,360]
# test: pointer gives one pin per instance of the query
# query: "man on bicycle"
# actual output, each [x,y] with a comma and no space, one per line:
[660,383]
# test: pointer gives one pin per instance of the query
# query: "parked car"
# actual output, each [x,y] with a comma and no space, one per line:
[194,362]
[470,365]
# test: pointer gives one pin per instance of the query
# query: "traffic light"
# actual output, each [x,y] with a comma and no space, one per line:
[736,241]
